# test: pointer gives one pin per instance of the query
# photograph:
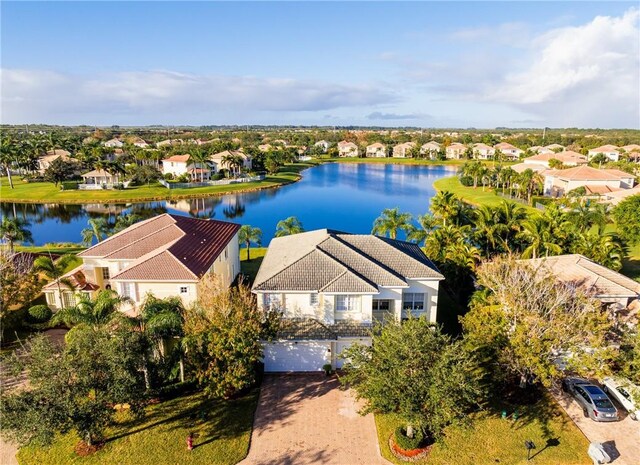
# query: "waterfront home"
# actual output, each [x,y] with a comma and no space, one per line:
[347,149]
[332,286]
[595,181]
[404,150]
[430,149]
[613,289]
[610,151]
[114,143]
[166,256]
[455,151]
[483,151]
[568,158]
[510,152]
[50,156]
[218,160]
[323,145]
[178,165]
[99,179]
[376,150]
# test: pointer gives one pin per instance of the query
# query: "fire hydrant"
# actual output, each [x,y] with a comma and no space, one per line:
[190,441]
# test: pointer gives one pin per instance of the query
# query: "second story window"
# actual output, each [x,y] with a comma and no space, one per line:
[413,302]
[313,300]
[105,273]
[346,303]
[184,290]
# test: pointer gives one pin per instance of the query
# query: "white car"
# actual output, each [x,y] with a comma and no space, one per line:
[625,392]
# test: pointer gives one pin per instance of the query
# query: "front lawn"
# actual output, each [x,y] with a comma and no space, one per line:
[222,430]
[492,440]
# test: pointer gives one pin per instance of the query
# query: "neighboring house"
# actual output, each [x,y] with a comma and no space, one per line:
[376,150]
[169,142]
[323,145]
[536,149]
[265,147]
[610,151]
[430,149]
[611,288]
[567,158]
[177,165]
[347,149]
[455,151]
[509,151]
[52,155]
[218,158]
[595,181]
[483,151]
[614,198]
[332,286]
[114,143]
[140,142]
[165,256]
[404,150]
[631,148]
[522,167]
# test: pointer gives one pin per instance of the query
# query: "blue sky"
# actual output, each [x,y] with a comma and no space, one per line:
[438,64]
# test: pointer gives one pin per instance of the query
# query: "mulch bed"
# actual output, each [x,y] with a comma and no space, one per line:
[83,450]
[408,455]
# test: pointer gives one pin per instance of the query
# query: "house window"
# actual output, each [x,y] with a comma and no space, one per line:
[313,300]
[346,303]
[226,253]
[126,290]
[271,300]
[105,273]
[413,302]
[51,298]
[68,299]
[184,290]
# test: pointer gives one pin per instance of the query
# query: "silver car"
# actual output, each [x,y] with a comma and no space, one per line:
[593,400]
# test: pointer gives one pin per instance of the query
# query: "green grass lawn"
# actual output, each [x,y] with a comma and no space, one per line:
[492,440]
[46,192]
[61,249]
[631,264]
[222,436]
[250,267]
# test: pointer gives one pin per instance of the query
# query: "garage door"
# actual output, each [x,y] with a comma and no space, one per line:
[341,345]
[292,356]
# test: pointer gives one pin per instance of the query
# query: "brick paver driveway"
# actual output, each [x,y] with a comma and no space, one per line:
[621,436]
[308,419]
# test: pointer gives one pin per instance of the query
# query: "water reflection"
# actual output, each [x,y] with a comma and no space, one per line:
[341,196]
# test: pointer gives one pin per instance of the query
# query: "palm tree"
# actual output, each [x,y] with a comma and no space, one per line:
[584,215]
[605,249]
[540,238]
[390,222]
[427,224]
[288,227]
[247,235]
[15,230]
[55,270]
[97,228]
[488,228]
[93,313]
[445,205]
[199,157]
[7,154]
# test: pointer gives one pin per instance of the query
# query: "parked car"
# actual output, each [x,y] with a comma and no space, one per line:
[625,392]
[595,403]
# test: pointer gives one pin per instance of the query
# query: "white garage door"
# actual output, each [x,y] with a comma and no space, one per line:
[291,356]
[341,345]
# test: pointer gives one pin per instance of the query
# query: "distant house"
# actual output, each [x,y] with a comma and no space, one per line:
[611,288]
[631,148]
[219,163]
[404,150]
[166,256]
[45,160]
[567,158]
[554,147]
[323,145]
[347,149]
[100,179]
[455,151]
[139,142]
[331,287]
[169,142]
[376,150]
[178,165]
[483,151]
[535,167]
[430,149]
[265,147]
[614,198]
[610,151]
[509,151]
[114,143]
[595,181]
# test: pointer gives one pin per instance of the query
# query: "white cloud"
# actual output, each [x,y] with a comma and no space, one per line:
[377,115]
[43,96]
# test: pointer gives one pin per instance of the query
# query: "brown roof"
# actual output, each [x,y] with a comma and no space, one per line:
[587,173]
[505,146]
[564,157]
[178,158]
[605,148]
[191,246]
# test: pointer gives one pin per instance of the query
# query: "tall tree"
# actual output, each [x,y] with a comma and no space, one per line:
[14,230]
[427,224]
[446,206]
[54,270]
[248,235]
[95,313]
[390,222]
[289,226]
[7,156]
[627,217]
[97,229]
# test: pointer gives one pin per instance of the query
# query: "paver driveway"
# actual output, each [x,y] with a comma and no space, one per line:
[308,419]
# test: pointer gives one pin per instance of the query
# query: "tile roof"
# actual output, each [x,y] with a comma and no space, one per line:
[78,279]
[581,271]
[194,244]
[564,157]
[334,262]
[587,173]
[178,158]
[605,148]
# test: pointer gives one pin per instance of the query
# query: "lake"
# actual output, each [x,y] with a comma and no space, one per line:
[347,197]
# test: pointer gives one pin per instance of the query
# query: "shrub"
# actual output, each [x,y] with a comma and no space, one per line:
[168,176]
[69,185]
[217,177]
[39,313]
[466,181]
[171,391]
[119,186]
[407,443]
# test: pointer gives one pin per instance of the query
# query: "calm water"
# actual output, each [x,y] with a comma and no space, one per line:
[347,197]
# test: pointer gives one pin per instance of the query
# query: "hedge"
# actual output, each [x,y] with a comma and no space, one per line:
[39,313]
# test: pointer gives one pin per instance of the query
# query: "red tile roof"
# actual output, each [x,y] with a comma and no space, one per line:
[178,158]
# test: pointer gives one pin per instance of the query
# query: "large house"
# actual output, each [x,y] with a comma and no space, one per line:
[509,151]
[114,143]
[455,151]
[332,286]
[165,256]
[376,150]
[610,151]
[483,151]
[45,160]
[178,165]
[568,158]
[430,148]
[219,160]
[404,150]
[347,149]
[323,145]
[595,181]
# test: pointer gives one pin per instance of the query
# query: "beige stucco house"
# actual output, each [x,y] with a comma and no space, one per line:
[165,256]
[404,150]
[568,158]
[347,149]
[376,150]
[45,160]
[455,151]
[595,181]
[612,152]
[332,286]
[430,149]
[483,151]
[510,152]
[218,160]
[114,143]
[177,165]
